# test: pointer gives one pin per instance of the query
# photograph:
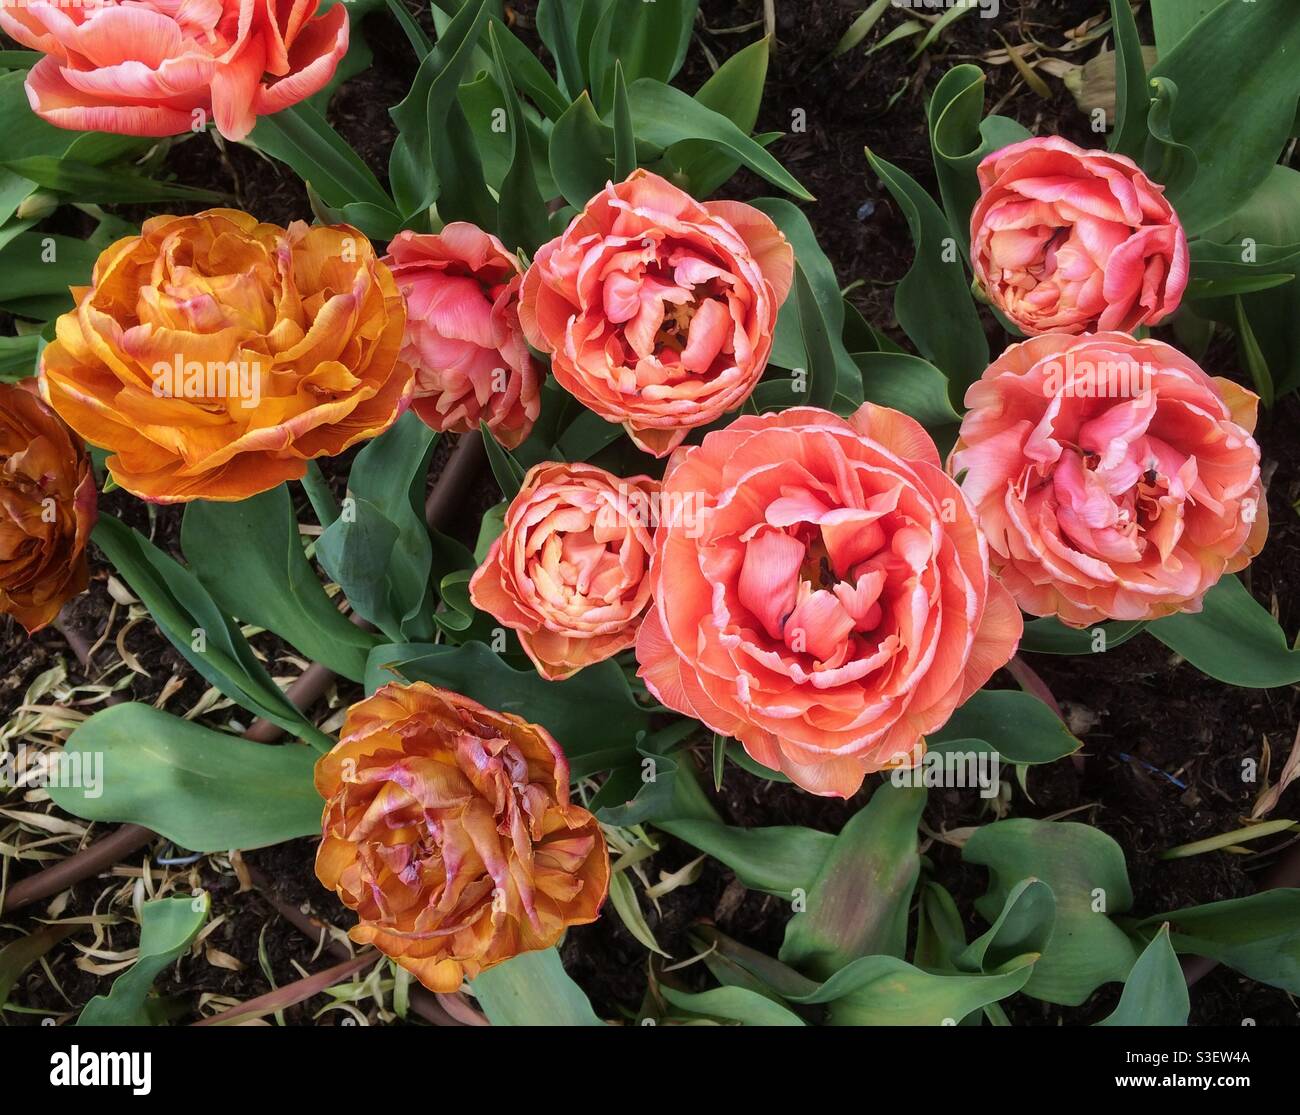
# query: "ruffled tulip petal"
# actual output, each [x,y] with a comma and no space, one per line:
[448,828]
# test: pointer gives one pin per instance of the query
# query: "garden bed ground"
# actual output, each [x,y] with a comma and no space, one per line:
[1164,746]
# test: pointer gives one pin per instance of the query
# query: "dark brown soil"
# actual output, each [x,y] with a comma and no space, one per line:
[1163,744]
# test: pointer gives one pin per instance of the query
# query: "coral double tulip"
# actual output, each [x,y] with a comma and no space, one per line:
[827,602]
[657,309]
[163,67]
[448,829]
[463,336]
[47,501]
[569,572]
[1113,478]
[1066,239]
[215,355]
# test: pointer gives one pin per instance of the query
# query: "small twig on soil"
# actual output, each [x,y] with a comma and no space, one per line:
[292,993]
[98,857]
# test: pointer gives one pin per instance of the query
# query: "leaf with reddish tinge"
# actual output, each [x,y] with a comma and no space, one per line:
[859,901]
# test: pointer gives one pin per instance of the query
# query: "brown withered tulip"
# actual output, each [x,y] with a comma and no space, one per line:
[448,829]
[47,496]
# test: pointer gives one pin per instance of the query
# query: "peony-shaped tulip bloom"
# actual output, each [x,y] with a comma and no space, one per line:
[164,67]
[448,829]
[215,355]
[822,593]
[658,310]
[1112,477]
[1067,239]
[569,573]
[47,497]
[463,336]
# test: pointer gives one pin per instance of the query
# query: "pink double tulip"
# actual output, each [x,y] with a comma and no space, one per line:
[1067,239]
[658,310]
[1113,478]
[161,67]
[463,336]
[569,573]
[822,593]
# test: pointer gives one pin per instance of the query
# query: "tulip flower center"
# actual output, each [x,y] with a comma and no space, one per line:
[838,588]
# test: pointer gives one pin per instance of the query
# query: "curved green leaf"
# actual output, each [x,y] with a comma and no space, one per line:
[1131,96]
[1086,872]
[532,989]
[167,926]
[1238,54]
[663,115]
[933,302]
[887,991]
[1258,935]
[589,713]
[858,903]
[733,1004]
[271,584]
[522,216]
[379,549]
[1050,636]
[207,637]
[1233,639]
[961,136]
[778,860]
[1155,993]
[735,91]
[203,790]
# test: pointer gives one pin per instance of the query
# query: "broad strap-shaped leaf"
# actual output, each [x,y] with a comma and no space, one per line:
[1173,19]
[1258,935]
[735,91]
[532,989]
[204,790]
[580,151]
[649,40]
[167,926]
[430,114]
[1155,993]
[901,381]
[790,348]
[733,1004]
[887,991]
[779,860]
[858,904]
[940,932]
[379,549]
[1128,137]
[1238,54]
[300,137]
[663,116]
[555,25]
[591,713]
[205,635]
[960,137]
[933,302]
[506,471]
[1086,872]
[522,216]
[1049,635]
[1232,639]
[271,584]
[1015,725]
[1024,926]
